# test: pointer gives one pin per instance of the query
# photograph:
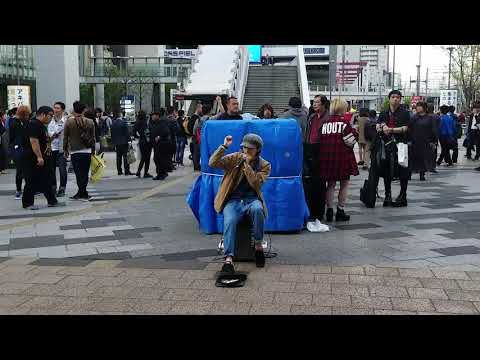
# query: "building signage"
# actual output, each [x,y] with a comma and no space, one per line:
[127,103]
[180,53]
[315,50]
[18,95]
[448,97]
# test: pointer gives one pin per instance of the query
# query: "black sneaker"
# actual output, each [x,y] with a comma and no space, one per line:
[259,258]
[341,216]
[129,174]
[388,200]
[58,204]
[329,215]
[85,198]
[138,175]
[120,173]
[75,197]
[147,176]
[228,268]
[61,193]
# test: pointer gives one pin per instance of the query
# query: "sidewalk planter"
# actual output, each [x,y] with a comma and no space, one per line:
[283,190]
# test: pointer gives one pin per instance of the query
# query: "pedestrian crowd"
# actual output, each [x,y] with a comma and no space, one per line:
[52,138]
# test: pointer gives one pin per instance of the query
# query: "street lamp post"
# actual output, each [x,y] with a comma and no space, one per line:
[418,70]
[393,70]
[450,49]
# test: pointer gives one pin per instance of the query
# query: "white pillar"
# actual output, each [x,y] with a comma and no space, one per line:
[99,88]
[57,77]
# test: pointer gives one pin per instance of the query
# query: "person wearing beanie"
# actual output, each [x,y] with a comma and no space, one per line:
[240,194]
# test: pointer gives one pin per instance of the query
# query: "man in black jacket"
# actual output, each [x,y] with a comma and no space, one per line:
[161,138]
[393,128]
[232,113]
[120,139]
[174,129]
[473,131]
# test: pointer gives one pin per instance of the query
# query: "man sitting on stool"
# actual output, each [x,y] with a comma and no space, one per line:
[240,194]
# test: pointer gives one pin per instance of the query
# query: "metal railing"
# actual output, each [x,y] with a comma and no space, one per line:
[133,67]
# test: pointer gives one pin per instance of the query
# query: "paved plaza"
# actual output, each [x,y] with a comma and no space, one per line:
[136,249]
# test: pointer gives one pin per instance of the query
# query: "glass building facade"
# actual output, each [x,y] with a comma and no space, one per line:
[13,72]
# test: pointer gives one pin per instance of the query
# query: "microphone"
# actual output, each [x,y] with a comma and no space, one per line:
[240,163]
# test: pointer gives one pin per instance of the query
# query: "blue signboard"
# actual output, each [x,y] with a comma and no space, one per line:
[255,53]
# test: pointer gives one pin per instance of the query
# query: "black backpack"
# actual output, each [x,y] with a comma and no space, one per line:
[368,193]
[191,123]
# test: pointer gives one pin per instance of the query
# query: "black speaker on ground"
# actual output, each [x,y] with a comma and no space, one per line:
[244,242]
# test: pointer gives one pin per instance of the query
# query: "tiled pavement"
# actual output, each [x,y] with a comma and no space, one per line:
[137,249]
[106,287]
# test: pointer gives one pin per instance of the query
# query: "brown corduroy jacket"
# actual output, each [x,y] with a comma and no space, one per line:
[234,175]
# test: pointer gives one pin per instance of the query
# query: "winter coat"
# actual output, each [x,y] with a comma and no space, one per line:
[447,126]
[120,134]
[384,158]
[424,138]
[299,114]
[336,160]
[234,175]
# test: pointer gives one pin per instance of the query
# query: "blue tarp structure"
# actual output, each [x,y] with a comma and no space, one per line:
[283,190]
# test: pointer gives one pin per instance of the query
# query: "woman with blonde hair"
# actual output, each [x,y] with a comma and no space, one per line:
[18,139]
[336,157]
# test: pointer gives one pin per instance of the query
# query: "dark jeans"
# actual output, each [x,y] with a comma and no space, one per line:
[172,149]
[181,142]
[122,151]
[81,166]
[3,158]
[196,157]
[445,154]
[473,135]
[58,160]
[146,153]
[455,152]
[161,158]
[36,180]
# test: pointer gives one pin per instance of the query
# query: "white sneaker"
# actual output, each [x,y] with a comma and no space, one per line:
[317,226]
[264,244]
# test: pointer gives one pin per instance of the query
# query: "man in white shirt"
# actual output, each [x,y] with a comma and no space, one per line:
[55,133]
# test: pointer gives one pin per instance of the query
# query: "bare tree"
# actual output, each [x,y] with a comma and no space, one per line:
[466,70]
[140,85]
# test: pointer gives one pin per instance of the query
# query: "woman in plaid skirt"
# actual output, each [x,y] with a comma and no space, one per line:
[336,157]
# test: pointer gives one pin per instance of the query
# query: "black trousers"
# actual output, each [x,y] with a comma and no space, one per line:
[19,173]
[387,182]
[445,154]
[315,191]
[36,180]
[146,153]
[122,151]
[81,166]
[161,156]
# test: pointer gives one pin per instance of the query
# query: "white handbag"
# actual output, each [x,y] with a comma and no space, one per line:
[402,154]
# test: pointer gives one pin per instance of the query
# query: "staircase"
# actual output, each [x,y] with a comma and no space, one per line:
[270,84]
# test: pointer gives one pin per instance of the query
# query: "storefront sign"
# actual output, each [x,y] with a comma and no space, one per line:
[180,53]
[18,95]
